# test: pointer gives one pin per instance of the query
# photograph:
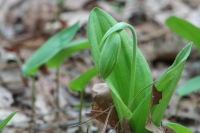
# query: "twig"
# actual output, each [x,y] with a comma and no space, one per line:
[106,122]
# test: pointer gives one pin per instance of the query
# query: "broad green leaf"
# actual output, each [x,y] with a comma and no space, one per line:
[109,55]
[119,80]
[177,128]
[184,29]
[167,83]
[49,49]
[189,86]
[80,82]
[6,120]
[69,49]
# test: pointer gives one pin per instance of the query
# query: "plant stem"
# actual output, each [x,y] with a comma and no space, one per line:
[80,111]
[32,104]
[177,108]
[57,92]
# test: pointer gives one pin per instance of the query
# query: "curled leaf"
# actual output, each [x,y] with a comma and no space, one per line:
[109,55]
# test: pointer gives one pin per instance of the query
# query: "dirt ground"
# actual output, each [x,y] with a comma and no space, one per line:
[26,24]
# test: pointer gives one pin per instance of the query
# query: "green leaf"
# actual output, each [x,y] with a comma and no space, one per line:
[131,72]
[184,29]
[69,49]
[167,83]
[177,128]
[6,120]
[109,55]
[49,49]
[80,82]
[189,86]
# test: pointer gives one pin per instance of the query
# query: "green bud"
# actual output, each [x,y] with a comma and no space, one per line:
[109,54]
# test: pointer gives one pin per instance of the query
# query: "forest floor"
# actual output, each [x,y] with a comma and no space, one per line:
[26,25]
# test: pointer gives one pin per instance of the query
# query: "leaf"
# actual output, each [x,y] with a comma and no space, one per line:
[178,128]
[130,63]
[155,98]
[167,83]
[102,103]
[80,82]
[6,120]
[49,49]
[189,86]
[69,49]
[184,29]
[109,55]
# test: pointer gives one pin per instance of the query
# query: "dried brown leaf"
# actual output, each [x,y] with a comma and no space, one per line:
[155,98]
[103,101]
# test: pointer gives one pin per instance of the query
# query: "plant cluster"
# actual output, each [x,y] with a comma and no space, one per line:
[137,98]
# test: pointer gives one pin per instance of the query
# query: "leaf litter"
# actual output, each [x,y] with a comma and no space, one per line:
[158,49]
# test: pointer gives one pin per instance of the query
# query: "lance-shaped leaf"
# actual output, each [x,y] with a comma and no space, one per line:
[109,55]
[189,86]
[80,82]
[184,29]
[69,49]
[49,49]
[130,63]
[6,120]
[167,83]
[177,128]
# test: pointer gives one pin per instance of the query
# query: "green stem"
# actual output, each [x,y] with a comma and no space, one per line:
[57,92]
[32,104]
[80,110]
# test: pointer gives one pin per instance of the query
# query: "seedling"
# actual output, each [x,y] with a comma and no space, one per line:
[79,84]
[123,67]
[190,32]
[52,53]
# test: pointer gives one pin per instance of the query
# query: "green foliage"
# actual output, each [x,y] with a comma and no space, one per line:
[189,86]
[167,83]
[69,49]
[80,82]
[184,29]
[177,128]
[6,120]
[126,71]
[124,86]
[107,63]
[190,32]
[54,50]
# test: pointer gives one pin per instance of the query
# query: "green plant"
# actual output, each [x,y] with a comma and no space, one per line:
[123,67]
[79,84]
[190,32]
[52,53]
[6,120]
